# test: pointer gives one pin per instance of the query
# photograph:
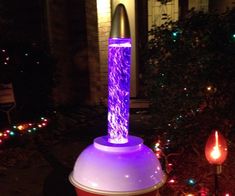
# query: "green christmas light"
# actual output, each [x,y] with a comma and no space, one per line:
[233,37]
[191,182]
[174,34]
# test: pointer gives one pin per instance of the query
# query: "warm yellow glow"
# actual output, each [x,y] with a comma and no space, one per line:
[209,88]
[103,8]
[190,194]
[20,127]
[172,181]
[215,154]
[157,144]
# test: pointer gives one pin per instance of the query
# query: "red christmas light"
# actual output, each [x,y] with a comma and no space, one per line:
[216,148]
[204,191]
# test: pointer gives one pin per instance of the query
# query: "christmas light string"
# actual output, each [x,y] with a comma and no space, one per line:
[161,148]
[6,58]
[207,91]
[173,182]
[23,128]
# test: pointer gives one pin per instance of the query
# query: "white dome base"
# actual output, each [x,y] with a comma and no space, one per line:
[109,169]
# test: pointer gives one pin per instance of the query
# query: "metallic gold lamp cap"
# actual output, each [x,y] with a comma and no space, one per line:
[120,24]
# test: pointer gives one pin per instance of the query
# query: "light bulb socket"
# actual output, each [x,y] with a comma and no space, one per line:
[218,169]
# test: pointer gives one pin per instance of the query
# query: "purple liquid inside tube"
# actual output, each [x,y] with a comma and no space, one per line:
[119,61]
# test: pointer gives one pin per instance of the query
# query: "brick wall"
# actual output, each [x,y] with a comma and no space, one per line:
[221,6]
[58,40]
[73,37]
[201,5]
[93,52]
[104,24]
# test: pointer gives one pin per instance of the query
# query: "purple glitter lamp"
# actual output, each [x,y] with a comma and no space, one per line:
[119,89]
[118,164]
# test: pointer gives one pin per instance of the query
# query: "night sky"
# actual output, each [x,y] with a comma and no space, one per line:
[21,20]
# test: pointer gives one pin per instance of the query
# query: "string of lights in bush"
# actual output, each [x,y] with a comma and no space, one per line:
[23,128]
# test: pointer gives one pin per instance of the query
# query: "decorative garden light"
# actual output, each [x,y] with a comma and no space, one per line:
[216,153]
[216,148]
[118,164]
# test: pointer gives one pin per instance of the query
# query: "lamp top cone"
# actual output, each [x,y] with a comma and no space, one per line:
[120,24]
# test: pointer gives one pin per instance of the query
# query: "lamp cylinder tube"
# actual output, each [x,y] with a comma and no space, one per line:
[119,89]
[119,65]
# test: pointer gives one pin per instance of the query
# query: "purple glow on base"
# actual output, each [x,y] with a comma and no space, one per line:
[119,89]
[104,168]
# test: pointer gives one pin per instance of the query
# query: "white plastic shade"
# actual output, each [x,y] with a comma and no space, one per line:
[108,168]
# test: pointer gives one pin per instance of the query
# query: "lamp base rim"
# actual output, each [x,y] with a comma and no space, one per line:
[104,192]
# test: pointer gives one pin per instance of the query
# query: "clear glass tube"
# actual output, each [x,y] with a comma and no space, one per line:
[119,63]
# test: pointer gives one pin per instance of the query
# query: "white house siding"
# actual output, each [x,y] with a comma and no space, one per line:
[156,9]
[201,5]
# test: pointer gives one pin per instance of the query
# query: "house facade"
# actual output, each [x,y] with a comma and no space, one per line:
[79,40]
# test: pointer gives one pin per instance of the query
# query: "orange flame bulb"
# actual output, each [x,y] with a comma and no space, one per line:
[216,148]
